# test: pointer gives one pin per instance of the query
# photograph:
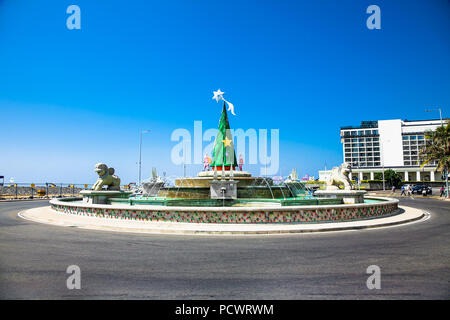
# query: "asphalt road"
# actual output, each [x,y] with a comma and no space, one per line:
[414,261]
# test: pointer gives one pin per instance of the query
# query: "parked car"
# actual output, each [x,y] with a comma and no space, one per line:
[419,189]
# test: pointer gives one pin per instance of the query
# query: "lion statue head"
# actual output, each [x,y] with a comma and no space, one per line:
[101,169]
[345,168]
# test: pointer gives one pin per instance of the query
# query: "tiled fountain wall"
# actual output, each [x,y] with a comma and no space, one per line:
[286,214]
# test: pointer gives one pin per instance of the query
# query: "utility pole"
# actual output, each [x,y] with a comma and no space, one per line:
[140,153]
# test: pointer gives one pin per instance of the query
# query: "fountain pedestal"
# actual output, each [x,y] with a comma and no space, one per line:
[347,196]
[101,197]
[223,189]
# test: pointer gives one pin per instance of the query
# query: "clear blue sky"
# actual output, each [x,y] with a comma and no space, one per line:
[71,98]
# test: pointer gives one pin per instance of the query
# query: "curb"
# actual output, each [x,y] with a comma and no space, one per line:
[174,228]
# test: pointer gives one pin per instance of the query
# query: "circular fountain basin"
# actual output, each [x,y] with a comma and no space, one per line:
[253,211]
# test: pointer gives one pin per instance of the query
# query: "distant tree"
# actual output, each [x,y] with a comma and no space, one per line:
[393,178]
[390,176]
[378,176]
[437,149]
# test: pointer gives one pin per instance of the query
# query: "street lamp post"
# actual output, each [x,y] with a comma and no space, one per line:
[440,113]
[140,153]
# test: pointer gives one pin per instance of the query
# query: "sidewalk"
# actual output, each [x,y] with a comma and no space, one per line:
[397,194]
[49,216]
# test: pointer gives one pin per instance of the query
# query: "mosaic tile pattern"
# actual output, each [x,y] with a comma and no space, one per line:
[294,216]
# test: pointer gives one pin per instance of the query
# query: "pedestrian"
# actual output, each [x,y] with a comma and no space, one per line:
[442,191]
[410,191]
[403,191]
[393,189]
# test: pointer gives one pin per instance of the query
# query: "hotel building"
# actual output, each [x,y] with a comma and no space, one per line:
[375,146]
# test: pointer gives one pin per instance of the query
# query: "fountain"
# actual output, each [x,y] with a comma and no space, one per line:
[224,195]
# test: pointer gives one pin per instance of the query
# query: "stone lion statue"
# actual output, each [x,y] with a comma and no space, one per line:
[339,175]
[106,177]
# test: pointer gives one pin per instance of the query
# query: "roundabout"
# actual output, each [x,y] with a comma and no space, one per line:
[413,258]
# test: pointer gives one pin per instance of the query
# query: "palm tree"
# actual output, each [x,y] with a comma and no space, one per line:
[437,149]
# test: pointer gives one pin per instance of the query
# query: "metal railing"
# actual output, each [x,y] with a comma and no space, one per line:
[18,190]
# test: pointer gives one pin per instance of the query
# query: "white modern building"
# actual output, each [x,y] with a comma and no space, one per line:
[375,146]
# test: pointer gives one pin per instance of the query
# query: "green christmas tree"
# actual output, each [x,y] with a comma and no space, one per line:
[223,152]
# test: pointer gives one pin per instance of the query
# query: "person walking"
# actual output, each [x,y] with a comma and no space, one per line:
[409,191]
[393,189]
[403,191]
[442,191]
